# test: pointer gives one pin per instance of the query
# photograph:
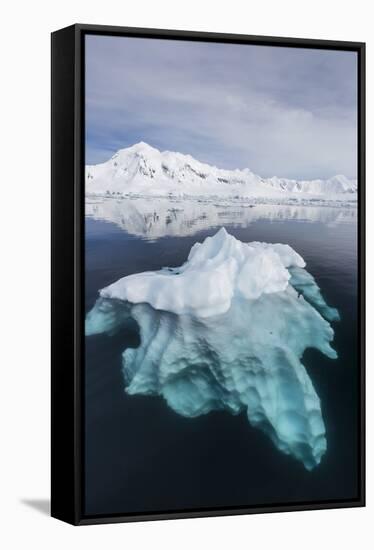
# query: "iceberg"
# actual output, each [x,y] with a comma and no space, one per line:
[227,331]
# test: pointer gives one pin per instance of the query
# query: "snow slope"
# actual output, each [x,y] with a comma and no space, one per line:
[227,331]
[142,170]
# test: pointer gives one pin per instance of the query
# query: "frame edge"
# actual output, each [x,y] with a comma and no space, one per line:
[63,346]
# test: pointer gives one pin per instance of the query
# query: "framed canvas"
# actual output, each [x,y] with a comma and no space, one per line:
[208,195]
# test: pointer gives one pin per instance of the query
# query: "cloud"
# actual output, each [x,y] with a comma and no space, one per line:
[279,111]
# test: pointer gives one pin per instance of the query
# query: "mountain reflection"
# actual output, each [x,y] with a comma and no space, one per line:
[156,218]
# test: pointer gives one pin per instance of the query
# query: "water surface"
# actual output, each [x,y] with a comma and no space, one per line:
[142,456]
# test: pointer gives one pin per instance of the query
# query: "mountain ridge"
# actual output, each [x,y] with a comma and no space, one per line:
[143,170]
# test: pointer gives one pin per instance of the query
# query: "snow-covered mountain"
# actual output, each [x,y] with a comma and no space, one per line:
[142,170]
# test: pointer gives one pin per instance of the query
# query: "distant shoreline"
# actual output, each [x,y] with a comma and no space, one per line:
[234,201]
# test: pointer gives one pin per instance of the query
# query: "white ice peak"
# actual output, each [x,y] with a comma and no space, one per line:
[217,271]
[144,170]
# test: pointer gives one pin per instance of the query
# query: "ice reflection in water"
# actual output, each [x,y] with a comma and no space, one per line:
[155,218]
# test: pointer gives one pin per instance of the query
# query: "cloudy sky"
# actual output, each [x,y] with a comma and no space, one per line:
[278,111]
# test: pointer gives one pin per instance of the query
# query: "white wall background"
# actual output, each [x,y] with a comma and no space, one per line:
[24,305]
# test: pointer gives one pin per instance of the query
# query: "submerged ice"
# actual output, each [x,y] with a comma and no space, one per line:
[227,331]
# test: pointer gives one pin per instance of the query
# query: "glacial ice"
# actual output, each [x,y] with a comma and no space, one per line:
[215,272]
[227,331]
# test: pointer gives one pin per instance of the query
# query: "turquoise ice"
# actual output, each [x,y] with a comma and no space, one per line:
[236,346]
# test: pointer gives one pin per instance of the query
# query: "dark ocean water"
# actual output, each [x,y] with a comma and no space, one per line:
[141,456]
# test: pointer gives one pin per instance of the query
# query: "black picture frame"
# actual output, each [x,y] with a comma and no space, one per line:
[67,175]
